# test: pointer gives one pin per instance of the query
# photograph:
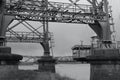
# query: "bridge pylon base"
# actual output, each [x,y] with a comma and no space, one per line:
[8,61]
[46,64]
[105,64]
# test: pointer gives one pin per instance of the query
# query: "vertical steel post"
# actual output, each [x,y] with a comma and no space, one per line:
[2,20]
[108,32]
[94,6]
[45,28]
[46,63]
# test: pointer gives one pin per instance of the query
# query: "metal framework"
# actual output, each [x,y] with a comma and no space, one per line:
[36,10]
[30,60]
[45,11]
[23,37]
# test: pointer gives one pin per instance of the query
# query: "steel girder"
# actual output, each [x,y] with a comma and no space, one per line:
[56,12]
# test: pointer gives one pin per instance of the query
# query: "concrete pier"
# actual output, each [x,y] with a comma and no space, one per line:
[8,61]
[105,72]
[105,64]
[46,64]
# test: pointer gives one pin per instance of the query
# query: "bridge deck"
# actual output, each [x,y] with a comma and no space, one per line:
[53,11]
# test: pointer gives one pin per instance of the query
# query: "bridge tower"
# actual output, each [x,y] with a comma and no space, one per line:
[101,28]
[8,61]
[104,61]
[46,63]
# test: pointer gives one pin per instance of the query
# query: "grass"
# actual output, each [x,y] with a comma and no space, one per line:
[31,75]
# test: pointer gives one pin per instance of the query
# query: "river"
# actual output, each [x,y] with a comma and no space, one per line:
[75,71]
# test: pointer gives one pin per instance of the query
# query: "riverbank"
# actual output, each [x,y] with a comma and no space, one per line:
[31,75]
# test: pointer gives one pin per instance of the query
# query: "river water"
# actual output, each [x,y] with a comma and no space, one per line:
[75,71]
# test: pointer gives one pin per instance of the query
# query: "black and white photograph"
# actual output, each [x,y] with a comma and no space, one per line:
[59,40]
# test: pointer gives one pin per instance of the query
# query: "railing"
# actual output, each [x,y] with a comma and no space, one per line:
[30,60]
[81,46]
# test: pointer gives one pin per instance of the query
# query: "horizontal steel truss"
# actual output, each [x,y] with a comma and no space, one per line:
[58,59]
[35,10]
[29,37]
[33,35]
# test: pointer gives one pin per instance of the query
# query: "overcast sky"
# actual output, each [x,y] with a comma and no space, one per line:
[67,35]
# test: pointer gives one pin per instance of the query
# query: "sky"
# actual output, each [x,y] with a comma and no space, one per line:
[67,35]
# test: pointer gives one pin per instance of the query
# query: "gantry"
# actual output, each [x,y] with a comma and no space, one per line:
[36,10]
[95,14]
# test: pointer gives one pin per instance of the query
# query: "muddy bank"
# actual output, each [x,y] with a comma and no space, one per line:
[31,75]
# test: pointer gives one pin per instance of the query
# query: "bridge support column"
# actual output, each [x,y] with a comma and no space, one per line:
[105,64]
[8,62]
[46,64]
